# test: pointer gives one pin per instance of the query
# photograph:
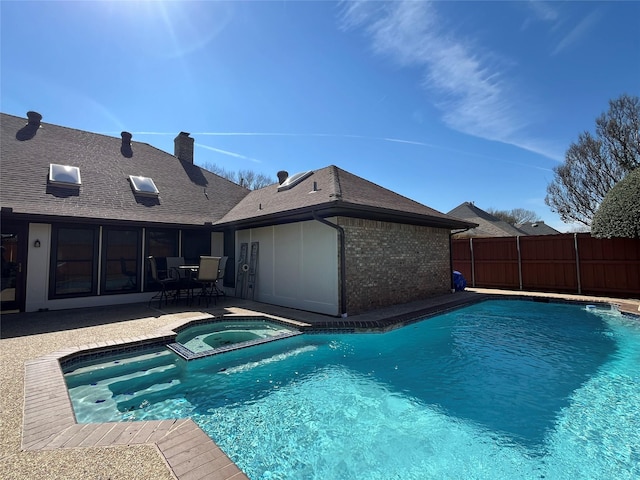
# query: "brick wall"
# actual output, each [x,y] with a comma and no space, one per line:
[391,263]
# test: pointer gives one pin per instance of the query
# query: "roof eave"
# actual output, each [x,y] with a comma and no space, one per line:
[332,209]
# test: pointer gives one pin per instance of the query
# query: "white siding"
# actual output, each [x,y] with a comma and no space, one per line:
[38,267]
[297,265]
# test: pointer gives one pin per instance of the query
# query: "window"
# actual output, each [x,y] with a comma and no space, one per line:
[73,262]
[160,244]
[293,180]
[143,186]
[64,175]
[194,244]
[120,260]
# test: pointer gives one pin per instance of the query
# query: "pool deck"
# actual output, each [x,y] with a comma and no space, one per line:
[39,437]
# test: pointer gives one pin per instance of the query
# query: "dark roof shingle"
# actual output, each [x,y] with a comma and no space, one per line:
[337,192]
[189,195]
[488,225]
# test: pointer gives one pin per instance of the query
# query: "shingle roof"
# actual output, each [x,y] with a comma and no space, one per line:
[488,225]
[537,228]
[337,192]
[189,195]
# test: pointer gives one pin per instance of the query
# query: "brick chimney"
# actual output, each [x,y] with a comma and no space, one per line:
[183,147]
[282,176]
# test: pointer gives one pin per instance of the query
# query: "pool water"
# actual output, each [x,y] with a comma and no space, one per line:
[498,390]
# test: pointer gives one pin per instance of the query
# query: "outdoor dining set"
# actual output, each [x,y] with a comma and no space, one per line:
[178,280]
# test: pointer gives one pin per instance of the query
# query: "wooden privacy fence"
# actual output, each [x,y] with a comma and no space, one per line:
[566,263]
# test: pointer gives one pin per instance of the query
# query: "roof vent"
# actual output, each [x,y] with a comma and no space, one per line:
[34,119]
[293,180]
[282,176]
[125,148]
[31,128]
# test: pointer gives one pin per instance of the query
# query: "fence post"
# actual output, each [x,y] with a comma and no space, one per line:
[473,266]
[575,244]
[519,261]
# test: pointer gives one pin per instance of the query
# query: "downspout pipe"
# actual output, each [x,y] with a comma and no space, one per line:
[343,262]
[451,234]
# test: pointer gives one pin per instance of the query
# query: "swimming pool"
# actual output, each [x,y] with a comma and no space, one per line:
[501,389]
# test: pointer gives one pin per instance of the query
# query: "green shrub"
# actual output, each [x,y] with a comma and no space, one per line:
[619,212]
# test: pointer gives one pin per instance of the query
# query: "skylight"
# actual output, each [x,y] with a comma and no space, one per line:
[64,175]
[293,180]
[143,186]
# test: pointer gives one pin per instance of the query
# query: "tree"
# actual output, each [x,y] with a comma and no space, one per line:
[245,178]
[515,216]
[594,164]
[619,213]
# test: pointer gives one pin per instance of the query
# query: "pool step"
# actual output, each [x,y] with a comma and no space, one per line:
[187,354]
[143,379]
[117,368]
[131,389]
[129,383]
[152,394]
[100,397]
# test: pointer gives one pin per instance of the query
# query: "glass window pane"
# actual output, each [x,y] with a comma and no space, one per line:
[120,267]
[74,262]
[143,185]
[64,175]
[194,244]
[160,244]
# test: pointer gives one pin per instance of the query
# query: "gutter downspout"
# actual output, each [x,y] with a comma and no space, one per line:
[343,262]
[451,234]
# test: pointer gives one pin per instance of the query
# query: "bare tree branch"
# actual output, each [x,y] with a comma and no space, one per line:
[245,178]
[594,164]
[515,216]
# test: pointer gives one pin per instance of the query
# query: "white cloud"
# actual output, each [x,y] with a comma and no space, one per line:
[543,10]
[228,153]
[577,33]
[465,81]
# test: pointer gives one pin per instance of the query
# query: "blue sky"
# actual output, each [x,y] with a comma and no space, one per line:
[443,102]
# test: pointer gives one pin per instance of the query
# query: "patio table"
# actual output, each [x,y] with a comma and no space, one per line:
[189,284]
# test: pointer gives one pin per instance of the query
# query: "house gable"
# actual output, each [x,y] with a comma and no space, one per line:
[487,224]
[331,191]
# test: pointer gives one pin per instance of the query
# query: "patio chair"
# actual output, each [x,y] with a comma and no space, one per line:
[207,277]
[221,269]
[167,282]
[182,277]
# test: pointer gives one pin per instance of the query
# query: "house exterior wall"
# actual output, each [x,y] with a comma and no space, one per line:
[391,263]
[297,265]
